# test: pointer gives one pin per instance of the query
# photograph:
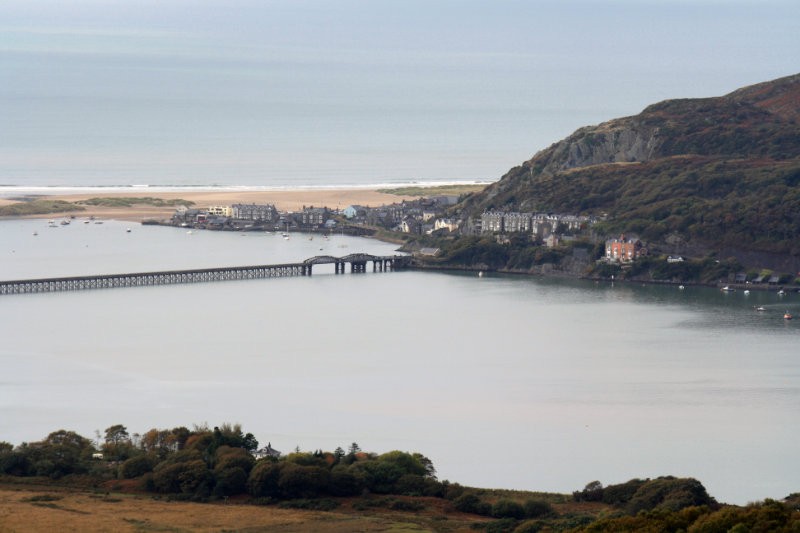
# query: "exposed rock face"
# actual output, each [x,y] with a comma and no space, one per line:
[618,141]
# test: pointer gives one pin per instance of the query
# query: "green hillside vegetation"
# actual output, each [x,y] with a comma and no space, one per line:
[44,207]
[217,465]
[39,207]
[129,201]
[455,190]
[720,202]
[713,172]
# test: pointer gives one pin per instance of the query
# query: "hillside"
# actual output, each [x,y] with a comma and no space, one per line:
[719,173]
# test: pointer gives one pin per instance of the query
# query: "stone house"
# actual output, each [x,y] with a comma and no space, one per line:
[265,213]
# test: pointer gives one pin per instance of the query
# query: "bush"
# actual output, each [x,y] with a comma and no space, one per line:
[470,503]
[324,504]
[669,494]
[263,480]
[537,509]
[345,481]
[406,505]
[297,481]
[135,467]
[621,493]
[230,481]
[508,509]
[190,477]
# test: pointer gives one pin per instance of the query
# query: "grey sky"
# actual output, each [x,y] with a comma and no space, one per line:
[311,92]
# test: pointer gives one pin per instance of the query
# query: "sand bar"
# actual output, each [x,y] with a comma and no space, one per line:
[284,200]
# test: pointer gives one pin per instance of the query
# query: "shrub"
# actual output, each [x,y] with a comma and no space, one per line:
[324,504]
[135,467]
[470,503]
[263,480]
[189,477]
[537,509]
[508,509]
[670,494]
[407,505]
[297,481]
[230,481]
[345,481]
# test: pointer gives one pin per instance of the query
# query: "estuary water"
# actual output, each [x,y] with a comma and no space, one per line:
[502,381]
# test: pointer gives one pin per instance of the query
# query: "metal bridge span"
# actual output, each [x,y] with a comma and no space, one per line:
[358,263]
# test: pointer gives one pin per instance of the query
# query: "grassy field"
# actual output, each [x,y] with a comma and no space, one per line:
[433,191]
[27,508]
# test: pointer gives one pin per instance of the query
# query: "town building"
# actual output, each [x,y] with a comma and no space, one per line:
[264,213]
[492,222]
[623,250]
[314,216]
[220,210]
[445,223]
[517,222]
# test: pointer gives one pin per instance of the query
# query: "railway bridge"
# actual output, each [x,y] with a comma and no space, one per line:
[358,264]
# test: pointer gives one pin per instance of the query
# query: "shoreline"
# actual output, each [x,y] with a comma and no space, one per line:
[284,200]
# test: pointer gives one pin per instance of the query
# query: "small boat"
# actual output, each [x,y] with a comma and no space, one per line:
[746,292]
[681,287]
[65,222]
[128,230]
[727,289]
[98,221]
[787,315]
[781,292]
[86,221]
[760,308]
[35,233]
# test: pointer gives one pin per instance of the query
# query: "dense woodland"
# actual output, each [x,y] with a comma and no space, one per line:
[218,465]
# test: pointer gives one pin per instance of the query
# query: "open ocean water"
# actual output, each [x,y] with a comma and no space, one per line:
[509,382]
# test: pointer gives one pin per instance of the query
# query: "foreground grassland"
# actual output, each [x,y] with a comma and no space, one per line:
[54,509]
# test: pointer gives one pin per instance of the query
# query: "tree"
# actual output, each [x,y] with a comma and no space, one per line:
[62,452]
[118,446]
[117,434]
[263,480]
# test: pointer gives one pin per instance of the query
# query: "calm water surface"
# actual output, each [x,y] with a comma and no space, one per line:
[502,381]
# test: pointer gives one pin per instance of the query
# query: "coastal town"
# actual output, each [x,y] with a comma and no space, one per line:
[424,216]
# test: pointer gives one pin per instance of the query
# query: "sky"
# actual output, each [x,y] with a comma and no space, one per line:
[352,92]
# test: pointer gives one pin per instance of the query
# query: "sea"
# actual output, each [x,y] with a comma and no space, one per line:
[502,381]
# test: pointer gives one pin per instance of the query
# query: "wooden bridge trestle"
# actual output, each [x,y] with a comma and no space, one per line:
[358,264]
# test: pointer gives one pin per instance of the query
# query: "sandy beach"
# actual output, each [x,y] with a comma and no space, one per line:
[284,200]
